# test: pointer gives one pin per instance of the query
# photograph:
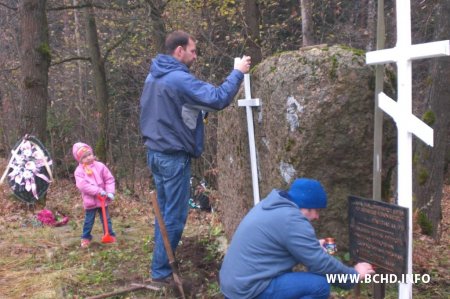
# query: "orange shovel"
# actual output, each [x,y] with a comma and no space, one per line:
[107,238]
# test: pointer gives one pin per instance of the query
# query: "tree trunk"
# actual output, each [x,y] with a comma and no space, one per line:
[431,162]
[252,17]
[80,72]
[158,25]
[35,61]
[371,27]
[307,23]
[99,74]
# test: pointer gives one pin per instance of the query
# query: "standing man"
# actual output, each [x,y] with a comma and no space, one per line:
[173,104]
[275,236]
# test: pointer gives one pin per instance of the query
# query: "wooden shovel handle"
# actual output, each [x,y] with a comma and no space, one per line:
[162,227]
[165,237]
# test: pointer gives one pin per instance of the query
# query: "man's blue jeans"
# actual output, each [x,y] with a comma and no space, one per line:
[297,285]
[89,219]
[171,173]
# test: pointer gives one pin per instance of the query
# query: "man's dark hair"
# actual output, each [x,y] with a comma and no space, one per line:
[175,39]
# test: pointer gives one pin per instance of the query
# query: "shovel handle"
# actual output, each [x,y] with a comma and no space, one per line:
[165,237]
[105,221]
[162,227]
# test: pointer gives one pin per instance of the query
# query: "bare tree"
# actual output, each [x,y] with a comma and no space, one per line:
[158,25]
[371,23]
[35,59]
[80,67]
[307,22]
[99,76]
[431,162]
[252,17]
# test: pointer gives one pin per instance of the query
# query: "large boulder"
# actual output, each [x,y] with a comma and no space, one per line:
[316,121]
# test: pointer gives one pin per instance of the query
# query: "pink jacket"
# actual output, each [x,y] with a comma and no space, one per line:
[100,180]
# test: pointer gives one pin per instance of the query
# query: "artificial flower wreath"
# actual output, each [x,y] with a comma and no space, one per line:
[27,164]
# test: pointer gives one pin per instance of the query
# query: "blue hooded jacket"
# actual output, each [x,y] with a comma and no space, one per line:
[172,103]
[271,239]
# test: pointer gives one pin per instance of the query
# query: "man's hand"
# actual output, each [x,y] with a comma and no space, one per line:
[244,64]
[322,244]
[364,269]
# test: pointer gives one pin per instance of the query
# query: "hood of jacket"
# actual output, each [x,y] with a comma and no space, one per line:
[277,199]
[76,150]
[164,64]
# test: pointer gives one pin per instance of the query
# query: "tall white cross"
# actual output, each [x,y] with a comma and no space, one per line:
[401,111]
[248,103]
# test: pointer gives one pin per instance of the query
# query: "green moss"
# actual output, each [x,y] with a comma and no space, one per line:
[334,66]
[273,69]
[289,144]
[30,82]
[357,52]
[302,60]
[425,224]
[44,50]
[392,78]
[429,117]
[279,53]
[100,149]
[423,176]
[357,60]
[416,159]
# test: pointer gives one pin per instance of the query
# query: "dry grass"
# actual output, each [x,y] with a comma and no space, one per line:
[27,265]
[47,262]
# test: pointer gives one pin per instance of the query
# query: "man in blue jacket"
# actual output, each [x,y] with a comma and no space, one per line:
[275,236]
[172,104]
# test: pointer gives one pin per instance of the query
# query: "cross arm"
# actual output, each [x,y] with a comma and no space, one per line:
[249,102]
[412,124]
[428,50]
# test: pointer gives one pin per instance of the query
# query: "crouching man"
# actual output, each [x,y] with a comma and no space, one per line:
[275,236]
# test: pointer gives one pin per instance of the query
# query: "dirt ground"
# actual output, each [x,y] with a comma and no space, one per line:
[47,262]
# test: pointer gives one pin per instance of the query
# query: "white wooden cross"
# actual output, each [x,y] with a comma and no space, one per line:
[248,103]
[401,111]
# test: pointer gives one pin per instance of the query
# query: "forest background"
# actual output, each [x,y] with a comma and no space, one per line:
[73,70]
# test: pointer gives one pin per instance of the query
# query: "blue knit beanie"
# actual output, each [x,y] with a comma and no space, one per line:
[308,194]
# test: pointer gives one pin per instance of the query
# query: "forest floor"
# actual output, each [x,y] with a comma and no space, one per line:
[47,262]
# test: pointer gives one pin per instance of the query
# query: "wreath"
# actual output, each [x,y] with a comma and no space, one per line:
[29,169]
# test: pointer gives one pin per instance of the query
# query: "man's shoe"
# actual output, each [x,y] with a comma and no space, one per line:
[166,281]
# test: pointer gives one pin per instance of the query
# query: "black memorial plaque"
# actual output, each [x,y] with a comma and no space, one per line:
[379,234]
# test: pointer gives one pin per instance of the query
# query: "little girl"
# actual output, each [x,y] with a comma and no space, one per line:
[92,178]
